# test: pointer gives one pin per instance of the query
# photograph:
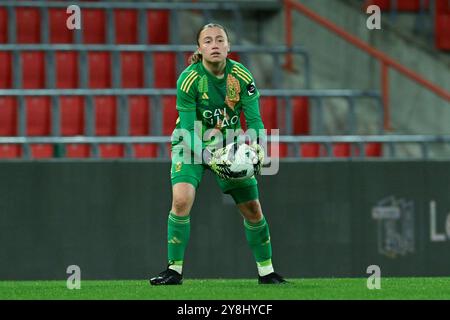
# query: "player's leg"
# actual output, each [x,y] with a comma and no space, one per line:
[246,196]
[258,236]
[178,232]
[185,179]
[178,224]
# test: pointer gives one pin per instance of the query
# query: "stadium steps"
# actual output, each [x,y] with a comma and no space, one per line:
[441,16]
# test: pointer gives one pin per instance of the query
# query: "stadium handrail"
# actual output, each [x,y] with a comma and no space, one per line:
[274,51]
[386,62]
[222,5]
[173,91]
[235,8]
[318,95]
[147,47]
[327,141]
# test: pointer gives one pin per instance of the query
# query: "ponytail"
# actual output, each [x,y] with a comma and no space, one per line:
[196,57]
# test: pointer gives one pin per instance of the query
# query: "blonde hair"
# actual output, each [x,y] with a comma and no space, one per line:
[197,56]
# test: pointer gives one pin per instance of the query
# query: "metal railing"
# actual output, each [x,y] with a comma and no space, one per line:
[386,62]
[389,144]
[156,105]
[155,95]
[235,8]
[276,52]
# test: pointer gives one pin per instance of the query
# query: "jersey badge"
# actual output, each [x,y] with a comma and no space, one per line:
[233,91]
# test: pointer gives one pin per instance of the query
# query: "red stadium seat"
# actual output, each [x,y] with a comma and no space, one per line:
[66,70]
[10,151]
[8,116]
[164,70]
[145,150]
[139,115]
[126,26]
[140,126]
[59,33]
[41,151]
[310,150]
[442,7]
[300,115]
[33,70]
[373,150]
[78,151]
[269,115]
[402,5]
[269,112]
[170,114]
[8,127]
[234,56]
[3,25]
[94,26]
[38,116]
[5,70]
[72,116]
[158,26]
[242,119]
[99,70]
[132,70]
[111,151]
[28,25]
[277,150]
[341,150]
[443,31]
[105,116]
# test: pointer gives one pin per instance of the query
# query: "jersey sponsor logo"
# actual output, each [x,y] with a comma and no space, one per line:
[251,89]
[220,118]
[233,91]
[205,96]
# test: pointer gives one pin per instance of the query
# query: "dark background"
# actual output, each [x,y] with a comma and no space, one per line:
[110,219]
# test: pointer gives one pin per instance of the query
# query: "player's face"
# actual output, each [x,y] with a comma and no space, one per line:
[213,44]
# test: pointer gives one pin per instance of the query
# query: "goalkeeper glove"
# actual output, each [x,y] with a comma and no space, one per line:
[259,160]
[218,164]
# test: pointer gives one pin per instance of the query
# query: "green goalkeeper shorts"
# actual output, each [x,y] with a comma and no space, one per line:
[241,190]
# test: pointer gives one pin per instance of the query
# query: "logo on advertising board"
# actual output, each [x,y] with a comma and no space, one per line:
[395,226]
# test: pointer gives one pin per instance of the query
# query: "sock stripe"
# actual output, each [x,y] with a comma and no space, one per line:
[265,263]
[176,263]
[255,226]
[180,220]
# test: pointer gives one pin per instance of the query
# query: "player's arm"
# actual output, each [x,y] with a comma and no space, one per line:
[186,106]
[250,105]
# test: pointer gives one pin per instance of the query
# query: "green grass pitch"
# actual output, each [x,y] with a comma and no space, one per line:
[237,289]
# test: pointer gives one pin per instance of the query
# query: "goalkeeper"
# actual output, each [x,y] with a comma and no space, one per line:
[215,90]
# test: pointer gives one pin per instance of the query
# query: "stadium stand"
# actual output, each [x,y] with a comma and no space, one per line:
[439,10]
[140,56]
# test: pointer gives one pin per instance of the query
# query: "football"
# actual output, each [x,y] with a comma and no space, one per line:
[241,159]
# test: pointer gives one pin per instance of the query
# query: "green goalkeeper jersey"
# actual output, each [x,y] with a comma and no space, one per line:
[217,103]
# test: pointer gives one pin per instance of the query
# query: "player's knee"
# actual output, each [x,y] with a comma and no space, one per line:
[252,211]
[183,198]
[181,206]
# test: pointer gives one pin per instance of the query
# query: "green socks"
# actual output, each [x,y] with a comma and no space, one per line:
[178,231]
[257,234]
[258,238]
